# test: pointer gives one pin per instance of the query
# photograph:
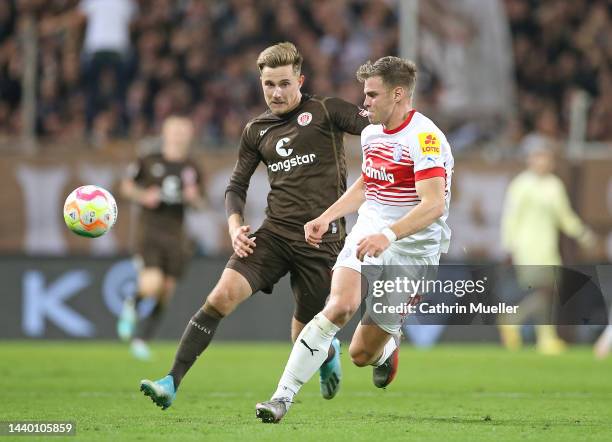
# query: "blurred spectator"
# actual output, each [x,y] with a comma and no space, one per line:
[465,43]
[106,51]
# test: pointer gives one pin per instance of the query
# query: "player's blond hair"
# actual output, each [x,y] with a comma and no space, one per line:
[393,71]
[281,54]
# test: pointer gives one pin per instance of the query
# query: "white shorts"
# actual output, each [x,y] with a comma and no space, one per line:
[348,255]
[388,266]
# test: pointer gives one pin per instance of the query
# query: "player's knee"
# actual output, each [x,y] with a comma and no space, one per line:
[340,312]
[151,283]
[359,356]
[223,299]
[168,290]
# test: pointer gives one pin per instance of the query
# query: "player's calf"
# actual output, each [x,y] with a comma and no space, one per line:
[361,357]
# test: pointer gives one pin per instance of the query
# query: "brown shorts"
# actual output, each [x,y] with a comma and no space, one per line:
[170,253]
[309,269]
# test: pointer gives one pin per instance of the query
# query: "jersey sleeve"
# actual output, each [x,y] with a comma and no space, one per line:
[427,149]
[346,116]
[248,160]
[567,219]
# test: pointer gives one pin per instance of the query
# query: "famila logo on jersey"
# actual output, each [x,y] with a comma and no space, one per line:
[378,174]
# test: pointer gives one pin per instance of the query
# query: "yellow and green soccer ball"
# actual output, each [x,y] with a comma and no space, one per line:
[90,211]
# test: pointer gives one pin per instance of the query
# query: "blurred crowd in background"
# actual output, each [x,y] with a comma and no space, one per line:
[560,48]
[116,68]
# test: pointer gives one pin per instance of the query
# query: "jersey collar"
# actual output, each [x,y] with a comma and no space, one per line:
[401,126]
[293,112]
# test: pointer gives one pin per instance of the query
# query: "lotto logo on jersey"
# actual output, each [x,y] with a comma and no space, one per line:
[430,143]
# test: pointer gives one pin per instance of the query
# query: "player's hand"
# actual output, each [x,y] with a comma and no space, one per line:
[241,243]
[372,245]
[314,231]
[588,239]
[151,197]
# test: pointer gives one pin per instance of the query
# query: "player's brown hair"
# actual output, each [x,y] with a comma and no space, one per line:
[393,71]
[281,54]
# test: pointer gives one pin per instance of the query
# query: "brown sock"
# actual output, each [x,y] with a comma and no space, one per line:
[196,337]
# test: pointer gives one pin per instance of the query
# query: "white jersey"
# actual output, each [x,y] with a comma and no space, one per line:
[393,161]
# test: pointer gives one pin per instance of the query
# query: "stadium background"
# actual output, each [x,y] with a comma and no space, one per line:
[498,77]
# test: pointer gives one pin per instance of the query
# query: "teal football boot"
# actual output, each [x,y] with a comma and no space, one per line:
[161,392]
[330,373]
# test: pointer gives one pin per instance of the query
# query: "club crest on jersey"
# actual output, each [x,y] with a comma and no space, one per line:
[429,143]
[397,153]
[304,118]
[281,149]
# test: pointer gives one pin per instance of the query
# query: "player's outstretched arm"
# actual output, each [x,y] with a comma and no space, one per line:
[236,192]
[431,207]
[569,222]
[349,202]
[149,197]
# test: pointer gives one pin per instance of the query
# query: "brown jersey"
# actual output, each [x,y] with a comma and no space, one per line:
[170,177]
[304,154]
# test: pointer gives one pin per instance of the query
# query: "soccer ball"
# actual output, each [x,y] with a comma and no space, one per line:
[90,211]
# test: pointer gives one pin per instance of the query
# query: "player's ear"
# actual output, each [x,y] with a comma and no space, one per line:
[398,93]
[300,80]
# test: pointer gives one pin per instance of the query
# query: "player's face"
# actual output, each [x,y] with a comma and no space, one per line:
[177,134]
[378,100]
[281,88]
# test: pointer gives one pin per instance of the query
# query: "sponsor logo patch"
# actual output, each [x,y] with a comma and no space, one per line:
[379,174]
[430,144]
[281,149]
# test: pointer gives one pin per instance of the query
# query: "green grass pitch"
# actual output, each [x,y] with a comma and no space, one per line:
[447,393]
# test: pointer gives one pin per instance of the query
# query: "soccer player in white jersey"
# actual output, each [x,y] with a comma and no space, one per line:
[403,199]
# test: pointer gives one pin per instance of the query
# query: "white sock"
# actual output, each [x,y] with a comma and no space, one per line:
[309,352]
[389,348]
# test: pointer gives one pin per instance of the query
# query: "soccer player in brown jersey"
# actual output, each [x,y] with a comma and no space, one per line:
[300,140]
[163,184]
